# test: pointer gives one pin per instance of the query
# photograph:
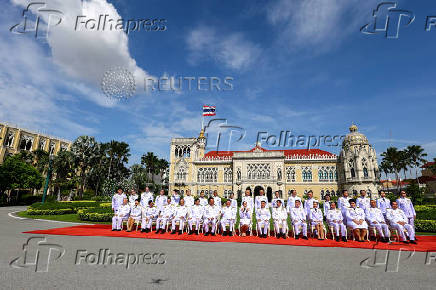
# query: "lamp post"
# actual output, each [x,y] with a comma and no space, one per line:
[47,179]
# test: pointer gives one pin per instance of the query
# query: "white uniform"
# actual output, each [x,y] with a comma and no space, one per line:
[136,212]
[189,200]
[406,205]
[165,215]
[326,207]
[245,215]
[132,199]
[180,215]
[203,201]
[210,216]
[175,199]
[383,204]
[228,217]
[291,203]
[343,206]
[298,217]
[233,203]
[263,215]
[146,197]
[335,219]
[397,215]
[160,201]
[274,201]
[249,200]
[308,205]
[122,213]
[217,201]
[117,201]
[195,216]
[316,216]
[258,201]
[363,203]
[280,217]
[375,218]
[149,214]
[356,214]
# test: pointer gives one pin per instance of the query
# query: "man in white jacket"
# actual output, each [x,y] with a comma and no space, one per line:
[280,217]
[398,220]
[298,217]
[228,218]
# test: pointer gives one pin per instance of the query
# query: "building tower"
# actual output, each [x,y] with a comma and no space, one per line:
[358,164]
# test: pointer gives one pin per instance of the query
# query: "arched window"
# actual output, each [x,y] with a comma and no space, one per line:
[307,174]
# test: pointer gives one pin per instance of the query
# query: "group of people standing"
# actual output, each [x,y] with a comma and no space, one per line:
[211,215]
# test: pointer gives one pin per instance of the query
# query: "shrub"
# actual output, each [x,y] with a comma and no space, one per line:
[106,204]
[58,211]
[73,205]
[425,226]
[425,212]
[96,214]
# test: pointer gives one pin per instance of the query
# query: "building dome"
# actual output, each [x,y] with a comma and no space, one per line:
[354,138]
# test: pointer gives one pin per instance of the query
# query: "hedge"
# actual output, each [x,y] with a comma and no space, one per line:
[103,214]
[65,204]
[425,226]
[425,212]
[57,211]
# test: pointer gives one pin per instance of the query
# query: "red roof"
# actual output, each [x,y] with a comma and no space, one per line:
[395,182]
[288,152]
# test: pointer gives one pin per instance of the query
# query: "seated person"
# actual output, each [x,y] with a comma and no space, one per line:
[180,216]
[356,221]
[135,215]
[211,217]
[121,214]
[276,198]
[298,218]
[228,218]
[316,218]
[280,217]
[263,215]
[375,218]
[149,214]
[258,199]
[335,219]
[398,220]
[245,216]
[165,215]
[195,216]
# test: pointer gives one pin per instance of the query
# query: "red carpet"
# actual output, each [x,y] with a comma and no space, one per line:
[425,243]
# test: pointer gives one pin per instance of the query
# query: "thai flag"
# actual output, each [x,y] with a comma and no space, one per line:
[209,110]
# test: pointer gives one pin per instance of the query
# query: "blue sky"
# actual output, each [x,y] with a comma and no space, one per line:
[301,66]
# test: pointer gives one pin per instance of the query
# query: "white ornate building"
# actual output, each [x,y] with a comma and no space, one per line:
[273,170]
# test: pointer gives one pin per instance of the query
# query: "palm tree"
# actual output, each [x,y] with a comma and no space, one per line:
[118,154]
[162,167]
[416,155]
[150,161]
[41,160]
[63,168]
[394,160]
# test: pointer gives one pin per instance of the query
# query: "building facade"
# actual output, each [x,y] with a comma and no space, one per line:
[273,170]
[14,139]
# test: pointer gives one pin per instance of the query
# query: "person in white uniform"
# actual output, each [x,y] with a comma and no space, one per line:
[308,203]
[217,199]
[189,199]
[258,199]
[316,218]
[398,220]
[298,218]
[375,218]
[133,197]
[248,198]
[276,198]
[135,215]
[233,201]
[161,200]
[363,201]
[228,218]
[291,200]
[203,199]
[245,217]
[175,197]
[356,220]
[210,217]
[180,216]
[280,217]
[117,199]
[149,214]
[406,205]
[326,205]
[335,219]
[195,216]
[146,196]
[165,216]
[121,214]
[344,204]
[263,216]
[383,203]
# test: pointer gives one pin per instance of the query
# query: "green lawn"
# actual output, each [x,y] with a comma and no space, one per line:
[73,217]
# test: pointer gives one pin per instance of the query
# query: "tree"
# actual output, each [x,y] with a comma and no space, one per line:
[86,152]
[63,169]
[40,161]
[118,154]
[151,163]
[17,174]
[139,175]
[162,166]
[432,167]
[416,156]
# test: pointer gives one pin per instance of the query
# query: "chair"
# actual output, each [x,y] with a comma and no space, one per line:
[286,230]
[312,229]
[300,229]
[258,230]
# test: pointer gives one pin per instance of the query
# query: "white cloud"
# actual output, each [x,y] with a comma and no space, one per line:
[232,50]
